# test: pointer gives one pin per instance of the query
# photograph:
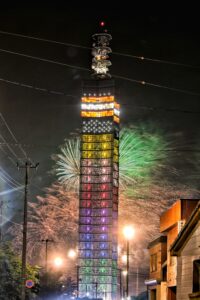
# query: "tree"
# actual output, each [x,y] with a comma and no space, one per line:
[10,273]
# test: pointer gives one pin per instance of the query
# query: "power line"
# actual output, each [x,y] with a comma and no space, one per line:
[14,154]
[20,84]
[53,146]
[45,60]
[141,58]
[12,221]
[14,181]
[140,82]
[8,178]
[12,134]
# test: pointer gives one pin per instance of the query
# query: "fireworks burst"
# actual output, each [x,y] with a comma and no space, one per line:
[141,154]
[53,217]
[68,164]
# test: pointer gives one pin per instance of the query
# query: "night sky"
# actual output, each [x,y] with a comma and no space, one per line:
[41,121]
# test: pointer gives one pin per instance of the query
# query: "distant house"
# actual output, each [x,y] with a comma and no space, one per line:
[157,277]
[187,249]
[162,282]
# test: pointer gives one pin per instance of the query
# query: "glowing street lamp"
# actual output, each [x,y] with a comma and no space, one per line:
[58,261]
[72,253]
[128,232]
[124,258]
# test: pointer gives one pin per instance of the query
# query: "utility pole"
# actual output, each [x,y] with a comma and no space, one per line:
[96,286]
[77,279]
[27,166]
[46,257]
[137,282]
[127,268]
[120,283]
[1,221]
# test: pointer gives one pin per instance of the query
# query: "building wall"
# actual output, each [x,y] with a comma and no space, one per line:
[163,252]
[190,253]
[156,250]
[163,291]
[171,260]
[170,217]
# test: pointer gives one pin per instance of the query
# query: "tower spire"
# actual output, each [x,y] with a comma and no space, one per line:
[100,51]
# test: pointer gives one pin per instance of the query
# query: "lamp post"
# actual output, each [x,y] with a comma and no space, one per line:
[128,234]
[120,283]
[46,241]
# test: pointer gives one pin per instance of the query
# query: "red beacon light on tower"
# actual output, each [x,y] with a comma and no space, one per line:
[102,23]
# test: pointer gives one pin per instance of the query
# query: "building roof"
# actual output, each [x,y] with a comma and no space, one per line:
[180,210]
[185,233]
[160,239]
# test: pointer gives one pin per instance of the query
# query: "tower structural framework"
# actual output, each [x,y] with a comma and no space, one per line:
[98,211]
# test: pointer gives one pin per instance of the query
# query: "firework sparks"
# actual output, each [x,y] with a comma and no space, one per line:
[141,154]
[52,217]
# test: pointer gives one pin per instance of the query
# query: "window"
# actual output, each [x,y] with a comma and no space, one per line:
[153,263]
[196,276]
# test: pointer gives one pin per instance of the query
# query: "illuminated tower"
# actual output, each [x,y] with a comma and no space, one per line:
[98,213]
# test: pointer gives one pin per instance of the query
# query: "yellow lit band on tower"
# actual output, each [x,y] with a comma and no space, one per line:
[101,99]
[94,114]
[92,138]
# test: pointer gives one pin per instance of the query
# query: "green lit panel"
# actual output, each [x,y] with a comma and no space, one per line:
[85,278]
[114,264]
[102,262]
[114,288]
[114,272]
[103,271]
[104,279]
[85,262]
[105,288]
[88,271]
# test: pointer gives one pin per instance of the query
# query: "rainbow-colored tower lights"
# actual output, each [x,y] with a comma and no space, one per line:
[98,212]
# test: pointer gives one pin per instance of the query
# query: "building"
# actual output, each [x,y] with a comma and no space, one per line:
[98,212]
[187,249]
[158,269]
[163,287]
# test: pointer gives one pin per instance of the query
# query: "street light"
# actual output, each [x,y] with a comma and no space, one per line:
[58,261]
[72,253]
[128,232]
